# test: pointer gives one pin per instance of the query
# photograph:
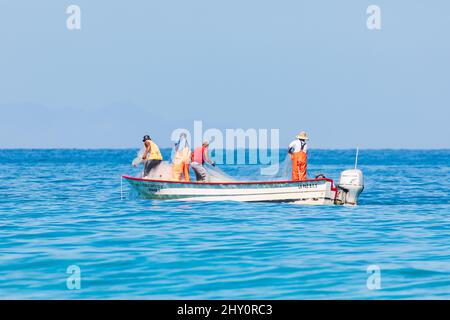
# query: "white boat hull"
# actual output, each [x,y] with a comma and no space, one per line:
[316,191]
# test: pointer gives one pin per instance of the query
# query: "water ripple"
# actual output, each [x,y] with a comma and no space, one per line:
[67,211]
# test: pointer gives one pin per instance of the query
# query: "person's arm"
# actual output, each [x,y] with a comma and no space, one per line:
[207,159]
[305,148]
[291,148]
[148,148]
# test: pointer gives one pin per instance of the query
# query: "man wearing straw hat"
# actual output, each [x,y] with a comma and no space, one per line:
[298,149]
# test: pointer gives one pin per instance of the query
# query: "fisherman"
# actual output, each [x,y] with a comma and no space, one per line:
[199,157]
[298,149]
[152,156]
[181,159]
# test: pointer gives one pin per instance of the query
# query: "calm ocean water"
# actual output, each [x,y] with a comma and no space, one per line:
[63,207]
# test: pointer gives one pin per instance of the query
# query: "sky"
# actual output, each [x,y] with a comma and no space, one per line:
[148,67]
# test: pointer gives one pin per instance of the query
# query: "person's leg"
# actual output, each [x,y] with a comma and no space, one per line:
[295,168]
[155,164]
[150,165]
[186,172]
[203,174]
[302,166]
[147,167]
[195,167]
[295,175]
[177,170]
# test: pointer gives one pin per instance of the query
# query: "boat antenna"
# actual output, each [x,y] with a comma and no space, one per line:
[356,158]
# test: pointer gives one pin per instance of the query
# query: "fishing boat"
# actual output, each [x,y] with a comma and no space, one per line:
[320,190]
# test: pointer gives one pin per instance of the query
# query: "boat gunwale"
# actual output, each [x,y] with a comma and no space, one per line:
[333,187]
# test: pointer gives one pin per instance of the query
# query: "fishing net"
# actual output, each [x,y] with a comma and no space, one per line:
[285,169]
[138,159]
[163,171]
[280,171]
[217,175]
[180,147]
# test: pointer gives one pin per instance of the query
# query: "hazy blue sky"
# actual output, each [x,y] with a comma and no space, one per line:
[146,66]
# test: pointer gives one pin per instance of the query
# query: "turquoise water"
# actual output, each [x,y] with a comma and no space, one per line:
[63,207]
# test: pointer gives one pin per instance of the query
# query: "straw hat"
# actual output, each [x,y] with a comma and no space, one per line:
[302,135]
[206,143]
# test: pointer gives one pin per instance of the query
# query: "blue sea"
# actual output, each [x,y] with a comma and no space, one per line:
[62,209]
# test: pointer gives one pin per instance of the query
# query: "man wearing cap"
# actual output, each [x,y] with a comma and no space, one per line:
[199,157]
[152,156]
[298,149]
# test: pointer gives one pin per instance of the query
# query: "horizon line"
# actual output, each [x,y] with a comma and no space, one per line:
[134,148]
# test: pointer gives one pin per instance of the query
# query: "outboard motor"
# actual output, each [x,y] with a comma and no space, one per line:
[351,184]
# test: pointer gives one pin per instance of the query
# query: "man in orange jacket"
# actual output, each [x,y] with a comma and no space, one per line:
[298,149]
[181,159]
